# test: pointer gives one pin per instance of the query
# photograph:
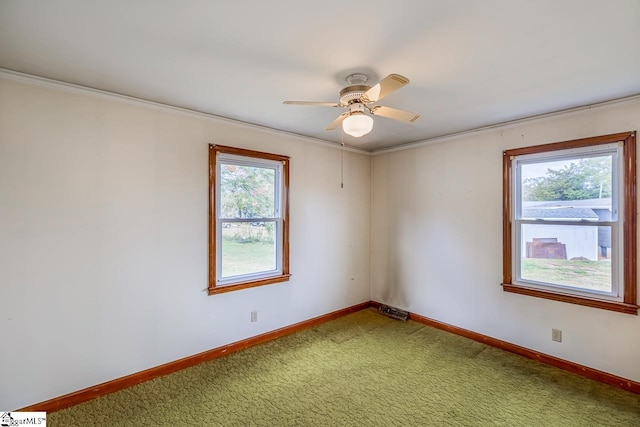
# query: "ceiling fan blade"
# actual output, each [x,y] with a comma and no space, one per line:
[388,85]
[334,124]
[322,104]
[392,113]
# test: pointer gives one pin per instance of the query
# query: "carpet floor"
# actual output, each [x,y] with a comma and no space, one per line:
[363,369]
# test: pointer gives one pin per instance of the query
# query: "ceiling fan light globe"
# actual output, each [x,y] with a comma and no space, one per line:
[357,124]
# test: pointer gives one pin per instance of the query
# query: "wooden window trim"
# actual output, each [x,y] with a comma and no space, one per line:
[285,275]
[629,301]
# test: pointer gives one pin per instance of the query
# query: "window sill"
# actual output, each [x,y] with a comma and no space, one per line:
[619,306]
[250,284]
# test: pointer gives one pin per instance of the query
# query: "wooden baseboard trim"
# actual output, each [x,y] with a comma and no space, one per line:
[105,388]
[566,365]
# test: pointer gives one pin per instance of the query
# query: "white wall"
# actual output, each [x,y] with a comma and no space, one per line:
[437,242]
[103,239]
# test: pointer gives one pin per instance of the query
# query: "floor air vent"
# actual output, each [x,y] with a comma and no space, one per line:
[396,313]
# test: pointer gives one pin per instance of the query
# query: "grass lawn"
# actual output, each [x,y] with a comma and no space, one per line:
[243,258]
[587,274]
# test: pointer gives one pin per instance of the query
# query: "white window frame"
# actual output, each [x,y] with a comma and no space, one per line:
[230,159]
[617,201]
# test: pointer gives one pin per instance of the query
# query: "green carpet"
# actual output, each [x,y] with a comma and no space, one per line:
[363,369]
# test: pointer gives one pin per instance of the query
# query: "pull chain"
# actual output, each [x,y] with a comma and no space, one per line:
[341,157]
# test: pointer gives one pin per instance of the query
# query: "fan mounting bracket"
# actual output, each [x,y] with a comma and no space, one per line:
[356,79]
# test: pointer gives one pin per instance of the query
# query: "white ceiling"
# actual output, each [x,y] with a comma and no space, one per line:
[471,63]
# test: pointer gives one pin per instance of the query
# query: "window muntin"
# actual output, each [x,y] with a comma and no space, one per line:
[568,209]
[248,219]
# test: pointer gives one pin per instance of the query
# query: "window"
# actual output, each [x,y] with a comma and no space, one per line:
[248,218]
[570,222]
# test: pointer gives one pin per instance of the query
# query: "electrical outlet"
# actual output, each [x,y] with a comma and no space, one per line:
[254,316]
[556,335]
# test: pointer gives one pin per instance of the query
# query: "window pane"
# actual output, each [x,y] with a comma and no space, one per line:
[248,247]
[570,189]
[567,255]
[247,191]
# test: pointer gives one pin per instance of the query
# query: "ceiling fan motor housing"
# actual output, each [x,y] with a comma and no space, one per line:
[353,93]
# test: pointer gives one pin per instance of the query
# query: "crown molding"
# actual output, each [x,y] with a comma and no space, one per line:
[112,96]
[634,99]
[126,99]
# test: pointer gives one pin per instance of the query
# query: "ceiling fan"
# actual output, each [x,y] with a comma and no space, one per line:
[358,97]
